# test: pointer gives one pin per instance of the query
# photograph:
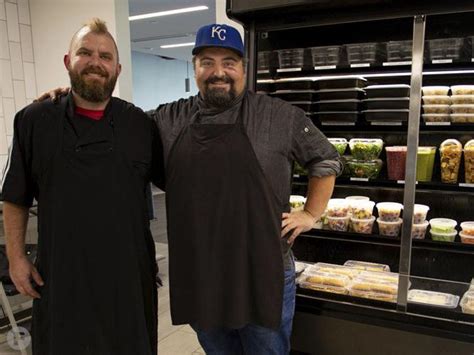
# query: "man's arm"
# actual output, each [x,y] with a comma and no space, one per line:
[319,192]
[21,269]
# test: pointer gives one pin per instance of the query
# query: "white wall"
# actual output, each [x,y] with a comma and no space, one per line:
[221,17]
[158,81]
[55,21]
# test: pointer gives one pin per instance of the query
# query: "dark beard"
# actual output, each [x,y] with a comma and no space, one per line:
[219,98]
[92,90]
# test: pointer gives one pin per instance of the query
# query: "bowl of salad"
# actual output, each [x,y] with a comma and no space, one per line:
[364,169]
[366,148]
[339,143]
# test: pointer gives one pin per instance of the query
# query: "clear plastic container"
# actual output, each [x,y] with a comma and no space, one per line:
[300,266]
[396,159]
[331,83]
[334,268]
[374,287]
[377,296]
[297,202]
[367,266]
[389,229]
[263,60]
[462,109]
[418,231]
[419,214]
[313,276]
[437,100]
[389,211]
[363,52]
[291,58]
[450,153]
[338,207]
[436,109]
[462,90]
[467,302]
[339,143]
[339,224]
[424,163]
[341,94]
[361,209]
[446,48]
[435,90]
[468,228]
[363,226]
[466,239]
[369,169]
[443,237]
[390,90]
[462,117]
[463,99]
[431,298]
[399,51]
[436,117]
[358,198]
[365,148]
[469,161]
[327,55]
[443,225]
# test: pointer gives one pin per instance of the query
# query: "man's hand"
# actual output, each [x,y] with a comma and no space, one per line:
[21,272]
[53,94]
[298,222]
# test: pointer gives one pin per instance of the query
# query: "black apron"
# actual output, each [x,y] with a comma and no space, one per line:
[96,253]
[224,225]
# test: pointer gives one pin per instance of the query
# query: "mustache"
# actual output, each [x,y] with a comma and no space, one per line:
[95,70]
[219,79]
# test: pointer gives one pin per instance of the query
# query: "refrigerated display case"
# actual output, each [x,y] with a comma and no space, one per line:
[368,64]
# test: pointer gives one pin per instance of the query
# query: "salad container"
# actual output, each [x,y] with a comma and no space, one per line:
[450,153]
[443,225]
[369,169]
[363,226]
[339,143]
[389,211]
[418,231]
[338,207]
[339,224]
[365,148]
[389,229]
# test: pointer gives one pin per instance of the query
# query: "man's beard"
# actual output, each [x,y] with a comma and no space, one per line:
[218,97]
[92,90]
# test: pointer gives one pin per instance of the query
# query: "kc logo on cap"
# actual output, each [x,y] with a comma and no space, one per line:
[219,35]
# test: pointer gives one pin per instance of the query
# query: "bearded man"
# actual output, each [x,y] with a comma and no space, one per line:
[87,162]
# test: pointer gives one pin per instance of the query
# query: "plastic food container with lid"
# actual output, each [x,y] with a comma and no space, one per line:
[361,209]
[469,161]
[462,117]
[263,60]
[297,202]
[435,90]
[396,159]
[367,266]
[436,100]
[360,198]
[326,55]
[334,268]
[299,84]
[366,169]
[468,228]
[341,94]
[462,109]
[363,52]
[467,302]
[339,224]
[363,226]
[462,90]
[446,48]
[387,103]
[466,239]
[443,225]
[375,285]
[424,163]
[341,82]
[339,143]
[418,231]
[436,117]
[419,213]
[390,90]
[436,109]
[335,117]
[338,207]
[389,229]
[324,281]
[450,154]
[463,99]
[431,298]
[365,148]
[399,50]
[443,237]
[386,115]
[389,211]
[339,105]
[291,58]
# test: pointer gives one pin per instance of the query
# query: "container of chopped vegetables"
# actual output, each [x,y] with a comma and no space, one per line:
[297,202]
[418,231]
[365,149]
[468,228]
[443,237]
[363,226]
[339,143]
[338,207]
[469,161]
[450,153]
[364,169]
[361,209]
[419,214]
[389,211]
[389,229]
[340,224]
[443,225]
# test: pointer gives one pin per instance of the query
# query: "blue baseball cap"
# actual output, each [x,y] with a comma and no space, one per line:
[217,35]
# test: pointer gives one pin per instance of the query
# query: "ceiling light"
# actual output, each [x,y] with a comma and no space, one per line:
[169,12]
[178,45]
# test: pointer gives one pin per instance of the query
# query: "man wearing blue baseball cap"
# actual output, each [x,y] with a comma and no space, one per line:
[228,154]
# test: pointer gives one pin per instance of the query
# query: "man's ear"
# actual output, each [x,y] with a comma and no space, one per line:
[67,61]
[119,69]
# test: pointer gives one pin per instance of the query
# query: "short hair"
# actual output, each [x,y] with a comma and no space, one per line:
[96,26]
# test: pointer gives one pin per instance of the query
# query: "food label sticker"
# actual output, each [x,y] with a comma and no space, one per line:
[360,65]
[263,71]
[359,179]
[389,64]
[402,182]
[296,176]
[438,123]
[441,61]
[466,185]
[325,67]
[338,123]
[382,123]
[285,70]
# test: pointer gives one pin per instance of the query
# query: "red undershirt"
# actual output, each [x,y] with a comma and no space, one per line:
[95,115]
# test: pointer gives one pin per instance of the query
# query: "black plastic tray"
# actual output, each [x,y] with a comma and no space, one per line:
[387,92]
[341,83]
[337,117]
[395,103]
[387,115]
[341,94]
[295,85]
[294,96]
[305,106]
[339,105]
[265,87]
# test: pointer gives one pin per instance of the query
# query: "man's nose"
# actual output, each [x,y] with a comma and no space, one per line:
[219,71]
